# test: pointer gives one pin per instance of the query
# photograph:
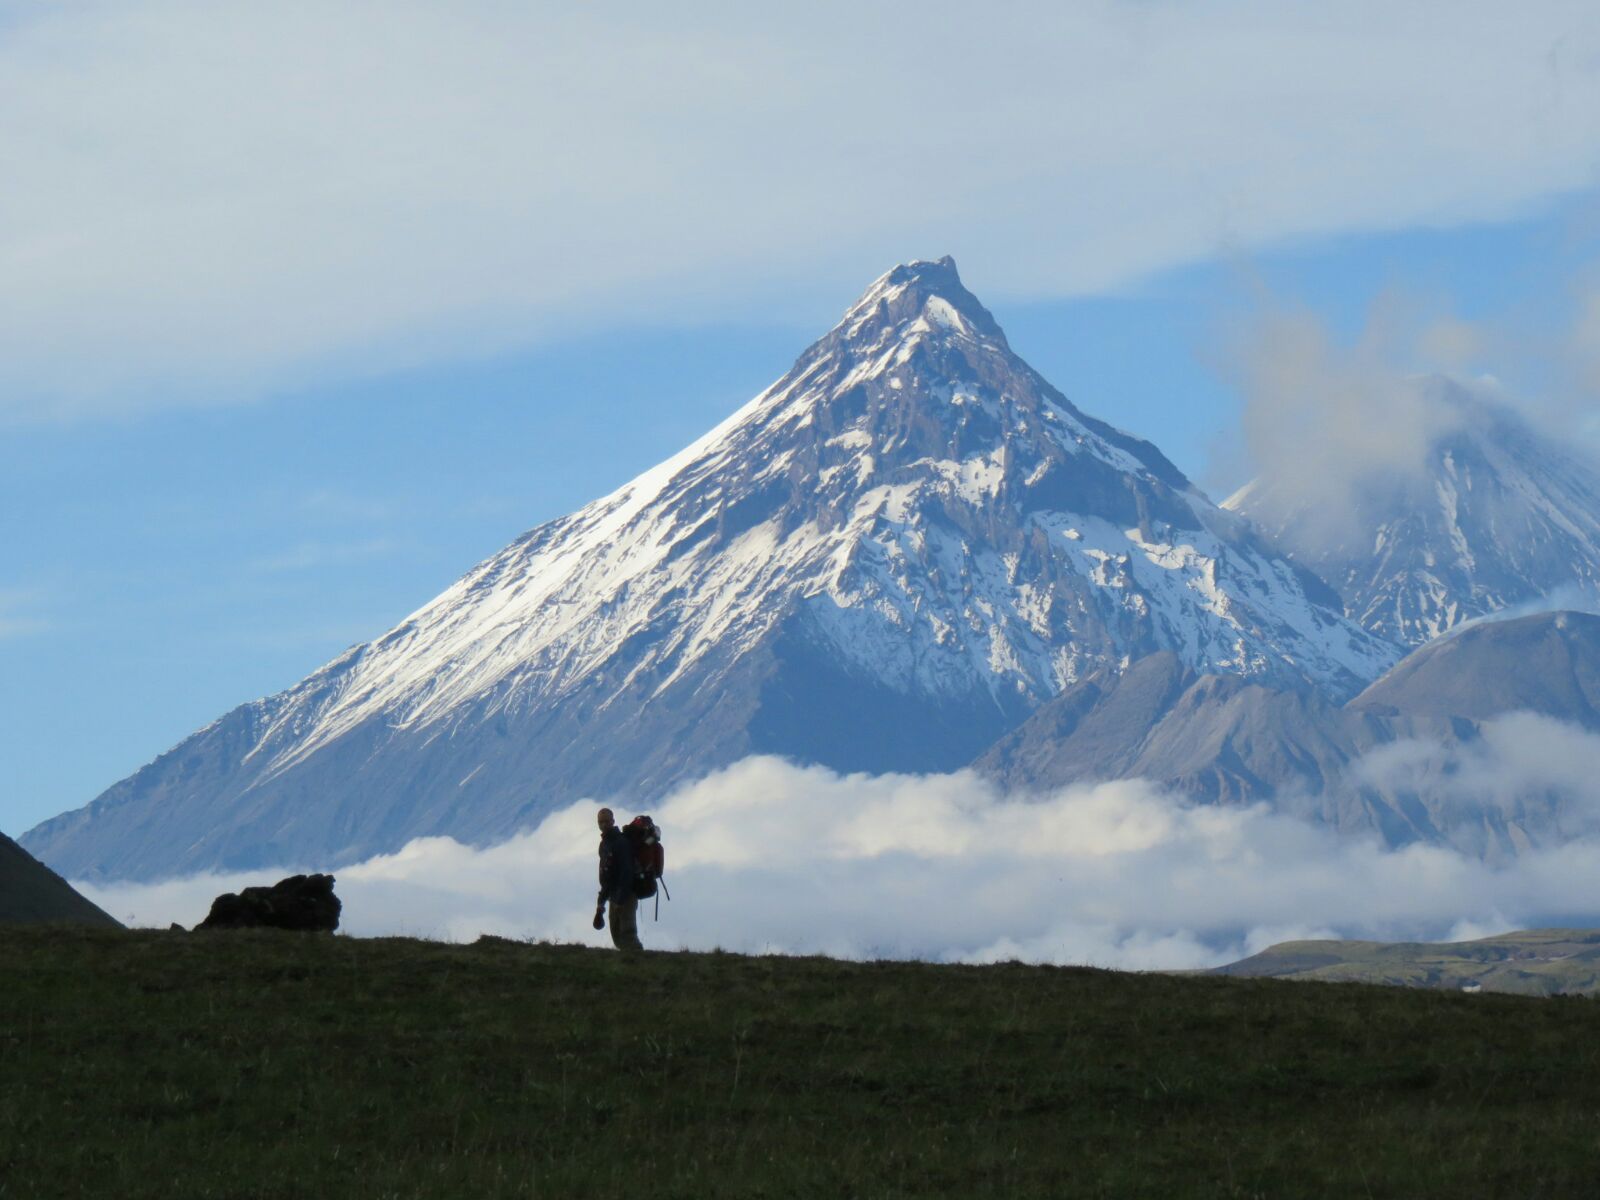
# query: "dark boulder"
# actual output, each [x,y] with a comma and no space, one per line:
[301,902]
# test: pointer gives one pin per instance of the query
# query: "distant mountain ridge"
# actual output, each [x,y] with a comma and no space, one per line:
[885,561]
[1227,740]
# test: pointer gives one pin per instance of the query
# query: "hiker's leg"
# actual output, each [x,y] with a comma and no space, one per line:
[617,918]
[625,924]
[630,923]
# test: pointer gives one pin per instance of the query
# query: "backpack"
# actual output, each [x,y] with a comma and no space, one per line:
[649,859]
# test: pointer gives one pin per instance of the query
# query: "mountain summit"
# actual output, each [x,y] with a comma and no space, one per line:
[904,294]
[883,562]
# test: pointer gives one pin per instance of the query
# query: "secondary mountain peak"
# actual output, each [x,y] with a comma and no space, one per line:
[1494,515]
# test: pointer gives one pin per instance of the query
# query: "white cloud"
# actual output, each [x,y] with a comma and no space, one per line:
[204,199]
[1321,419]
[1334,426]
[1529,771]
[766,856]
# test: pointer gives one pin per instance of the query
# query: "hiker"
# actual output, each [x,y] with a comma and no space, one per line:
[616,884]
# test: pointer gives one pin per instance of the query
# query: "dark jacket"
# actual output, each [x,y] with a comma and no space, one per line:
[616,864]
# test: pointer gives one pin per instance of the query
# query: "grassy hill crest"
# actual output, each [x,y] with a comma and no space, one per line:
[154,1064]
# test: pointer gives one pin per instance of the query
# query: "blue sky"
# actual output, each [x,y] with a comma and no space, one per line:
[308,308]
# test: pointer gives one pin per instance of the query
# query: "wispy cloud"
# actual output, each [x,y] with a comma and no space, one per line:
[19,615]
[766,856]
[310,555]
[333,504]
[1330,422]
[206,199]
[1323,420]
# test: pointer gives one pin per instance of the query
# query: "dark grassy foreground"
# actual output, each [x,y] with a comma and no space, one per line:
[270,1065]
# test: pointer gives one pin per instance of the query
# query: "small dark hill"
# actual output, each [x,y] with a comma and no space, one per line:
[32,892]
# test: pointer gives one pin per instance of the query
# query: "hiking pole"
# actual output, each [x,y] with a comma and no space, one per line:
[663,882]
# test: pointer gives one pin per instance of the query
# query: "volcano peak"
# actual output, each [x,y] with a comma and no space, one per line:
[931,291]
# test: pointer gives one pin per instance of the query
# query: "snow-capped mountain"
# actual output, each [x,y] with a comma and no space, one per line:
[882,562]
[1497,516]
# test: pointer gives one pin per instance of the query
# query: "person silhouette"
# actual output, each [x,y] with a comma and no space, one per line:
[616,885]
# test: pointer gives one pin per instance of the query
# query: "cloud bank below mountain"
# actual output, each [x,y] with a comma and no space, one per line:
[767,857]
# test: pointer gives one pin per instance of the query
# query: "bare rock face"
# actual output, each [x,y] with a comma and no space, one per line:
[304,903]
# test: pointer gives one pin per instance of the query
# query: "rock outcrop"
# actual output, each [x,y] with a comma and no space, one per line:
[304,903]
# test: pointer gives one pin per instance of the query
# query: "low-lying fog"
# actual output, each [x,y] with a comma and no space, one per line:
[769,857]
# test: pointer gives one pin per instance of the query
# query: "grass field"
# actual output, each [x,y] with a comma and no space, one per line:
[262,1065]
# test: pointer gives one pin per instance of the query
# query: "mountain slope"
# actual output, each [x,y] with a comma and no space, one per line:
[1497,516]
[1547,664]
[883,562]
[1405,759]
[31,893]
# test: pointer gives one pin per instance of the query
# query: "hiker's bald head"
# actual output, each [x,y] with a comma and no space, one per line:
[605,818]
